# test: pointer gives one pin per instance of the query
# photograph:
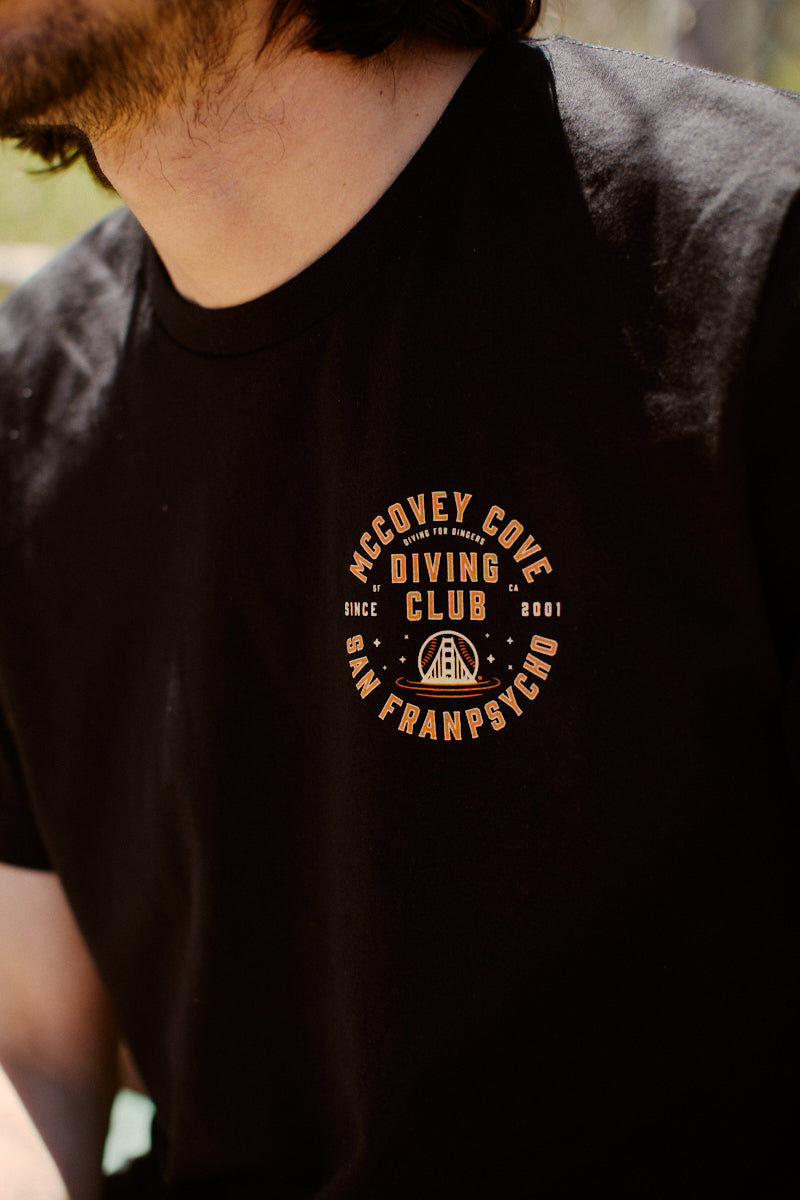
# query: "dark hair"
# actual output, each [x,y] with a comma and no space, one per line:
[363,28]
[360,28]
[60,146]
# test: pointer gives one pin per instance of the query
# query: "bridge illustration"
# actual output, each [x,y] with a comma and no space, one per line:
[448,658]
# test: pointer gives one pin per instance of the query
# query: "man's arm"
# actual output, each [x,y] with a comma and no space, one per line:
[58,1046]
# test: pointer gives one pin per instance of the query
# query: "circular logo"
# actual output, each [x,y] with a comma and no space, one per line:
[452,615]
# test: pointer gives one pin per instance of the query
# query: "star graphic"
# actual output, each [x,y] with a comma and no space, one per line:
[376,643]
[490,658]
[405,637]
[510,641]
[402,658]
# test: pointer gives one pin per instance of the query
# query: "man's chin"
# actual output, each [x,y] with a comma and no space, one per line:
[42,103]
[15,126]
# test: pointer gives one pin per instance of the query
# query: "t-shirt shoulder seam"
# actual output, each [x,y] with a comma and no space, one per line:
[688,68]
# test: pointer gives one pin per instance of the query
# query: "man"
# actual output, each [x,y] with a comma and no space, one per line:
[400,584]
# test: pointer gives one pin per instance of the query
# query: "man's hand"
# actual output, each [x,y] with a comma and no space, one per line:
[58,1046]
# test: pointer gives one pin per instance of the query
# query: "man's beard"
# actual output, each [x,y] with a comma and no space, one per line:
[79,68]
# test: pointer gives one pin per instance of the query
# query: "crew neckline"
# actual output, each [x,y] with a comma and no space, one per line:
[374,241]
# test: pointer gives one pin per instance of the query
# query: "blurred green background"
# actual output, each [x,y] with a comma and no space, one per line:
[39,206]
[757,39]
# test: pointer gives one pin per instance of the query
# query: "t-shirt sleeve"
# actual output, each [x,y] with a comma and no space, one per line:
[772,438]
[20,842]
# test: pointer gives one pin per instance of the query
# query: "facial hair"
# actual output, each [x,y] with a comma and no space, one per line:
[81,68]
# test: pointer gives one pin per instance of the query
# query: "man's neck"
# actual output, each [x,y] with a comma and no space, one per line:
[242,190]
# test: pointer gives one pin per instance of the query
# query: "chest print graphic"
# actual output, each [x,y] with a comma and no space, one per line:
[452,616]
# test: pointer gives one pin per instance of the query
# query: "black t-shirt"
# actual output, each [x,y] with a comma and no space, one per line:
[397,669]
